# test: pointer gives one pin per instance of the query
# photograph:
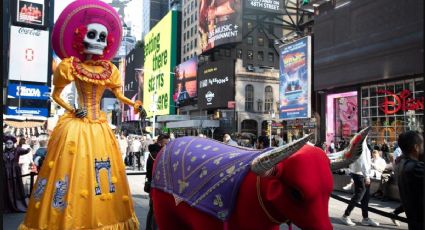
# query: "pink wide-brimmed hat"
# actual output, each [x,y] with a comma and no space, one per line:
[78,15]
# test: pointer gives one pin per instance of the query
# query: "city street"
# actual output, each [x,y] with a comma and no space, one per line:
[336,208]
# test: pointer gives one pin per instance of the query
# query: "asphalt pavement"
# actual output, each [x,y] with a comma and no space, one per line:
[336,209]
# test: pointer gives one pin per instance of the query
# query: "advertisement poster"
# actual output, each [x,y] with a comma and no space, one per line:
[31,13]
[25,91]
[159,61]
[346,116]
[29,49]
[275,6]
[220,22]
[185,83]
[295,79]
[216,84]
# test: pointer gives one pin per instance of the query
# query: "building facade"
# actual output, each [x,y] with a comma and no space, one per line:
[370,72]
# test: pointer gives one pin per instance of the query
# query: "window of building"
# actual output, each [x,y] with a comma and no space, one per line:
[196,15]
[249,98]
[270,28]
[227,52]
[260,105]
[249,25]
[250,54]
[249,40]
[271,43]
[260,41]
[239,53]
[268,95]
[191,31]
[260,55]
[196,42]
[271,57]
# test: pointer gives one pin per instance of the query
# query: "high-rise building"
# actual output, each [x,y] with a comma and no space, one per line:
[189,32]
[153,12]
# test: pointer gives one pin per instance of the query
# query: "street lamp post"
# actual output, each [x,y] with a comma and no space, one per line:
[272,115]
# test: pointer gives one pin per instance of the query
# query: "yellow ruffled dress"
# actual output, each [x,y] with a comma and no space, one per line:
[82,183]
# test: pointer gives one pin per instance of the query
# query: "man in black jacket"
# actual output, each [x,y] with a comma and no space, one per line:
[411,169]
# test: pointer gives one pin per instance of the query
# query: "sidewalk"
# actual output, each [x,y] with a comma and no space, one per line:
[336,209]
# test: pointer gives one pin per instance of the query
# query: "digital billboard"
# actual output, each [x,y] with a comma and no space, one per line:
[31,13]
[275,6]
[185,82]
[160,56]
[29,54]
[295,79]
[216,84]
[220,22]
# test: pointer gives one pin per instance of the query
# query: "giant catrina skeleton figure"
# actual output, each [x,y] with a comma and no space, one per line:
[203,184]
[82,184]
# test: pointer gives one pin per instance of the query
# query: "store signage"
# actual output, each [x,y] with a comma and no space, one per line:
[11,110]
[25,91]
[402,101]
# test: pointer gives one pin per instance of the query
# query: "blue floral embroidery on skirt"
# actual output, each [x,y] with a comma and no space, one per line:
[41,186]
[61,186]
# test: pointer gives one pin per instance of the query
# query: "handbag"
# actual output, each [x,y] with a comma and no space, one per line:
[147,187]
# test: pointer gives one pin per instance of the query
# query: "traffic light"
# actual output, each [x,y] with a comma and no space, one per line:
[305,2]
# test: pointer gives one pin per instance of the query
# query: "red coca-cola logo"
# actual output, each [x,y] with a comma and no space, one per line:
[403,101]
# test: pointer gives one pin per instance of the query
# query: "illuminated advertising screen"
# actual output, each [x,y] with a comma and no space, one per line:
[160,56]
[295,79]
[275,6]
[31,13]
[29,54]
[216,84]
[185,83]
[220,22]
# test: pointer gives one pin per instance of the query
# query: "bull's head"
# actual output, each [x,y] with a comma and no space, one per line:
[297,187]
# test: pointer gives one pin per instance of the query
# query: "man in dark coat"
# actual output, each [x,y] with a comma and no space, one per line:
[410,175]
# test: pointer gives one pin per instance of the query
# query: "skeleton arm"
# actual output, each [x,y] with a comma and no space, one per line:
[56,97]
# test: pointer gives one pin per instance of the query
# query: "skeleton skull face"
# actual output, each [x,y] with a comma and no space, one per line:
[95,39]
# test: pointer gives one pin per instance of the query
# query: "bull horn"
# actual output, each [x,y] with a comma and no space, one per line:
[344,158]
[267,160]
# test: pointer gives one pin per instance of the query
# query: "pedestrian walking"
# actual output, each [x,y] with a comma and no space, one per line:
[360,173]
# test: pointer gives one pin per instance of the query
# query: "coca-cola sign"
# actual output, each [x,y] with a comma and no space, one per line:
[403,101]
[29,31]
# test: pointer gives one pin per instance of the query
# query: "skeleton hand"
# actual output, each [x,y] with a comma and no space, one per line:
[81,113]
[142,112]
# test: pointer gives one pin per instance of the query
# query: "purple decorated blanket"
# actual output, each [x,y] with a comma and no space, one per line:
[203,172]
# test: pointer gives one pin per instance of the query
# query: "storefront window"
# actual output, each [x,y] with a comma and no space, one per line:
[385,109]
[341,118]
